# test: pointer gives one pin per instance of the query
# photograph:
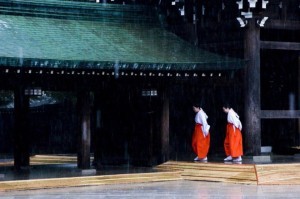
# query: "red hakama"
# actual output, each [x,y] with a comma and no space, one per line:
[200,143]
[233,143]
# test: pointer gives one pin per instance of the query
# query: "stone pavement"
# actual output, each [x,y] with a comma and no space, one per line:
[165,190]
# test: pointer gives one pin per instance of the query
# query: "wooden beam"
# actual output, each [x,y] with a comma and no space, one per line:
[280,114]
[280,24]
[279,45]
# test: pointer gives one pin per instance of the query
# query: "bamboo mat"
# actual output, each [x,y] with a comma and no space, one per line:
[278,174]
[7,163]
[216,172]
[53,159]
[46,159]
[261,174]
[88,181]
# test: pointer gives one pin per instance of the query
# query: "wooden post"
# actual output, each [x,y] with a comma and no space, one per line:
[84,107]
[97,128]
[21,129]
[298,105]
[165,130]
[252,124]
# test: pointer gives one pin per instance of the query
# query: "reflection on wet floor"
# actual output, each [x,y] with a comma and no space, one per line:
[65,170]
[166,190]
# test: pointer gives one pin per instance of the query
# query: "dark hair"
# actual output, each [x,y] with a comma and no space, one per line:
[226,105]
[196,105]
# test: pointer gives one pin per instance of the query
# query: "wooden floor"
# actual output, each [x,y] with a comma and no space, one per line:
[257,174]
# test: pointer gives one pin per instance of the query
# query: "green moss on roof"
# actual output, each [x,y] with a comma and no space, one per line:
[130,36]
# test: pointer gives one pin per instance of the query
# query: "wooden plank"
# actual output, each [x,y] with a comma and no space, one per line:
[229,169]
[279,45]
[199,165]
[225,175]
[219,180]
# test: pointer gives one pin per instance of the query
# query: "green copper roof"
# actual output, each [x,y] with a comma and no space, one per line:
[67,34]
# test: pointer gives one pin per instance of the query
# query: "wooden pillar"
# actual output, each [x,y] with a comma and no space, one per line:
[165,138]
[97,126]
[84,111]
[298,105]
[21,129]
[252,123]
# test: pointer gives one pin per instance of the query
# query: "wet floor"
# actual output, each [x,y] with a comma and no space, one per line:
[64,171]
[165,190]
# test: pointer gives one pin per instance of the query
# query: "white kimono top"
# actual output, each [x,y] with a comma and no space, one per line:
[233,117]
[201,118]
